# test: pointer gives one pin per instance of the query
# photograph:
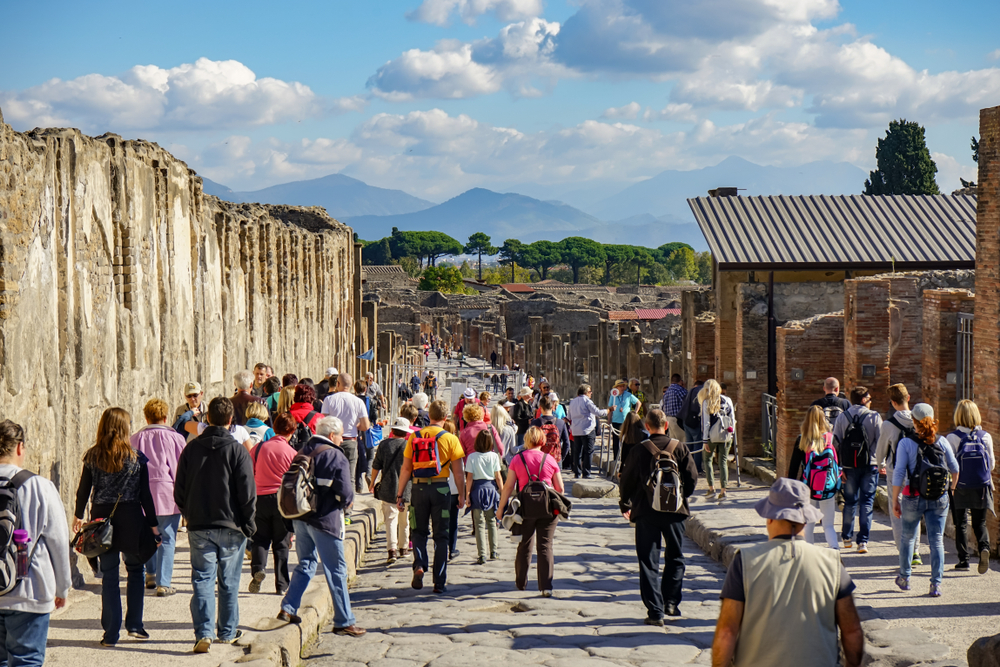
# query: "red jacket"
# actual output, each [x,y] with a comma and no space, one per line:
[301,410]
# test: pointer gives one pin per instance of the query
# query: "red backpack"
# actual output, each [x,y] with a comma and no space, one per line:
[424,451]
[552,445]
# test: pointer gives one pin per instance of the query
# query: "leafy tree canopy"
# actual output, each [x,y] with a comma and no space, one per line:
[579,252]
[542,256]
[479,244]
[904,164]
[445,279]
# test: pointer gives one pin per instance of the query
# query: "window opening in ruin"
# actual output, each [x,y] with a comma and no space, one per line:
[964,375]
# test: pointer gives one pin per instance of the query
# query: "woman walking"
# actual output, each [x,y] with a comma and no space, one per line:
[271,460]
[922,503]
[162,445]
[482,484]
[501,421]
[633,432]
[815,443]
[718,424]
[973,449]
[529,465]
[117,477]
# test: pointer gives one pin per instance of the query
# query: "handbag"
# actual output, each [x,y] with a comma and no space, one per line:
[94,539]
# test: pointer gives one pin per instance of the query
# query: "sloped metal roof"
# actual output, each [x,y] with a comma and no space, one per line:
[517,288]
[383,269]
[650,314]
[839,232]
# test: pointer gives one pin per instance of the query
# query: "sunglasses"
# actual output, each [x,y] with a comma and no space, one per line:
[193,395]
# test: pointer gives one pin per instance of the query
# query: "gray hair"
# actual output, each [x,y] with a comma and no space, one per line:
[420,400]
[243,380]
[329,426]
[582,389]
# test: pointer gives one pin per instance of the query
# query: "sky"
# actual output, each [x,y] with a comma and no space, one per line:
[434,97]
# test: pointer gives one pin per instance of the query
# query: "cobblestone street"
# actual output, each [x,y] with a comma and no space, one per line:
[595,617]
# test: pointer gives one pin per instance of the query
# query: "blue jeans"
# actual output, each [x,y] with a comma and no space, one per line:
[311,542]
[859,486]
[162,562]
[111,595]
[934,514]
[22,638]
[216,556]
[694,435]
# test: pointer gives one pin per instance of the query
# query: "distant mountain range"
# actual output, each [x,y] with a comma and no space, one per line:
[341,196]
[651,212]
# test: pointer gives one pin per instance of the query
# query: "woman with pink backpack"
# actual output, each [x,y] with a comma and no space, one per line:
[814,461]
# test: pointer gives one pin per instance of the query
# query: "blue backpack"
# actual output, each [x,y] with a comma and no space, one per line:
[973,462]
[822,474]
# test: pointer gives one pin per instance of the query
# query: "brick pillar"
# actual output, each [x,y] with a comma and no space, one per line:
[905,339]
[940,355]
[727,304]
[751,365]
[987,323]
[702,364]
[866,335]
[475,331]
[816,348]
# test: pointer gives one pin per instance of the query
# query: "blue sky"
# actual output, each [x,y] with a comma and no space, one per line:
[437,96]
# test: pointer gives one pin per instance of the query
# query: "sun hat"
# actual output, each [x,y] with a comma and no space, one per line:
[192,388]
[525,391]
[921,411]
[788,500]
[620,383]
[508,404]
[402,424]
[469,393]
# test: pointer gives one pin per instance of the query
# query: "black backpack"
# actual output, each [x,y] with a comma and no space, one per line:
[302,432]
[534,497]
[929,478]
[663,486]
[904,432]
[10,520]
[854,447]
[832,412]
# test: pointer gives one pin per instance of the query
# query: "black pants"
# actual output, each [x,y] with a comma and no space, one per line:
[655,592]
[453,525]
[616,441]
[111,594]
[431,505]
[961,519]
[583,453]
[544,530]
[274,533]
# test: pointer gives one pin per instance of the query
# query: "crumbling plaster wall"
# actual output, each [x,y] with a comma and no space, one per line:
[120,281]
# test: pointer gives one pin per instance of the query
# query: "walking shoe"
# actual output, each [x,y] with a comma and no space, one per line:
[847,544]
[138,634]
[235,638]
[862,547]
[418,578]
[984,561]
[480,561]
[106,644]
[439,589]
[495,555]
[150,581]
[710,493]
[402,553]
[350,630]
[255,582]
[649,620]
[165,591]
[454,554]
[962,565]
[722,494]
[935,591]
[546,593]
[916,559]
[288,618]
[392,557]
[203,645]
[670,609]
[903,583]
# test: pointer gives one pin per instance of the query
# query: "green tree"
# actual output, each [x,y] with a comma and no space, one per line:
[904,165]
[377,252]
[642,258]
[682,264]
[542,256]
[437,244]
[479,244]
[704,268]
[616,255]
[510,254]
[667,249]
[975,149]
[467,272]
[579,252]
[446,279]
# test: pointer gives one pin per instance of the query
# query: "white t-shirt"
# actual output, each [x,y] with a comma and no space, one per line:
[348,408]
[239,433]
[483,465]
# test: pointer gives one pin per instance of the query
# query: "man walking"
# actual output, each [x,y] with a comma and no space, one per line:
[660,596]
[833,405]
[583,416]
[260,373]
[493,359]
[894,429]
[352,413]
[672,404]
[431,497]
[783,600]
[215,491]
[856,434]
[244,382]
[319,536]
[640,396]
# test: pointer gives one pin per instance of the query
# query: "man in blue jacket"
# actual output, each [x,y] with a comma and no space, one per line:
[319,536]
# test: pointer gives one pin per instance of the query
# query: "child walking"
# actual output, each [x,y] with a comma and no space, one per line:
[482,486]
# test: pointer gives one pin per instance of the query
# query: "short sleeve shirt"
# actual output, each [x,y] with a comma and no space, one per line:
[348,408]
[732,587]
[534,459]
[483,465]
[449,449]
[622,405]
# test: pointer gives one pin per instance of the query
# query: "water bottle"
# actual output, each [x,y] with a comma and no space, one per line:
[21,541]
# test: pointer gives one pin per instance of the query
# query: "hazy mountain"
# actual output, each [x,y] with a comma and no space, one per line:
[668,191]
[341,196]
[645,230]
[502,216]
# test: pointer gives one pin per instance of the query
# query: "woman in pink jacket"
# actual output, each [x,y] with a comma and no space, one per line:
[162,445]
[474,417]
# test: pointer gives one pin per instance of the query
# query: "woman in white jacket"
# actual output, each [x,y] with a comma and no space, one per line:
[718,426]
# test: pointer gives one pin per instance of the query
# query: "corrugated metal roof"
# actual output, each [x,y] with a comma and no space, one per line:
[642,314]
[851,231]
[517,288]
[383,269]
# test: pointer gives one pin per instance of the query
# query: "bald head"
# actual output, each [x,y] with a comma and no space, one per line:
[831,386]
[345,382]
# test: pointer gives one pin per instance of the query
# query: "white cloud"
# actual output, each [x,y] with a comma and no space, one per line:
[518,60]
[205,94]
[439,11]
[950,170]
[994,55]
[628,112]
[683,113]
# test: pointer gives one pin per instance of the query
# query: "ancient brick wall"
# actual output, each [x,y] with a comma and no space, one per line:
[121,281]
[751,366]
[866,335]
[940,360]
[808,352]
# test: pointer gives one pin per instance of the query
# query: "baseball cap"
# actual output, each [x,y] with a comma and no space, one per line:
[921,411]
[332,371]
[402,424]
[192,388]
[525,391]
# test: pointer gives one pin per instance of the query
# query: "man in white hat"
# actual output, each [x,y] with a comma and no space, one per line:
[783,600]
[191,409]
[384,481]
[468,396]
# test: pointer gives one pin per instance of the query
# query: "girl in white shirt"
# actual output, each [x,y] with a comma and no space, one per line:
[482,487]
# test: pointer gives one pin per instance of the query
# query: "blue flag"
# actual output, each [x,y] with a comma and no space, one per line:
[368,356]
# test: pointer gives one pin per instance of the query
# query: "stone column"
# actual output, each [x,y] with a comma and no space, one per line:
[354,363]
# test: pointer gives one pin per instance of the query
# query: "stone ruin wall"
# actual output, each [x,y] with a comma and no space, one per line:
[120,281]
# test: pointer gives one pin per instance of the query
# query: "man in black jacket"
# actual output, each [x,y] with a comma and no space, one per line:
[522,414]
[215,491]
[659,597]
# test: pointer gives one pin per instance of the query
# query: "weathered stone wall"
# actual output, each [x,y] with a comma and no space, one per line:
[120,281]
[940,350]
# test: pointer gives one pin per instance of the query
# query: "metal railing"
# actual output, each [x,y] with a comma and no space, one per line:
[964,349]
[768,423]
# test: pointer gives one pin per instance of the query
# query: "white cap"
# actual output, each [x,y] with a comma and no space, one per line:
[402,424]
[332,371]
[554,397]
